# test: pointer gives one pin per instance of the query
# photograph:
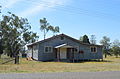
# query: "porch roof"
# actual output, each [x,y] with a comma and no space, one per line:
[63,46]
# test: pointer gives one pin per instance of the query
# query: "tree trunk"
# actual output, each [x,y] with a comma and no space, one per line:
[16,59]
[116,56]
[0,56]
[44,34]
[105,55]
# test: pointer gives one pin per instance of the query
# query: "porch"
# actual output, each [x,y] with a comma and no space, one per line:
[65,52]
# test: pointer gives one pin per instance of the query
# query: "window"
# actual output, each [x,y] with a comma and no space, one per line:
[62,38]
[93,49]
[76,49]
[48,49]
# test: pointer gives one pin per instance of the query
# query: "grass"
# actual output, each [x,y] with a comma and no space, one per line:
[109,64]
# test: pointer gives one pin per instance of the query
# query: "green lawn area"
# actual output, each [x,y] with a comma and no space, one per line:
[109,64]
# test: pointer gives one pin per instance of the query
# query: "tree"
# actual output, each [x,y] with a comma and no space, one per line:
[13,33]
[1,46]
[106,44]
[30,37]
[54,29]
[93,39]
[45,27]
[116,48]
[81,38]
[86,39]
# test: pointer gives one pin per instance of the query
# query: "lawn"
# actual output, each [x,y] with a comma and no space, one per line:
[109,64]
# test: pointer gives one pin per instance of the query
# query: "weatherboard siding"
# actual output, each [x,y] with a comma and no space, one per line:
[57,41]
[39,53]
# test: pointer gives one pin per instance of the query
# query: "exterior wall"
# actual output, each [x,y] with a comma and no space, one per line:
[29,52]
[42,56]
[35,52]
[49,56]
[87,52]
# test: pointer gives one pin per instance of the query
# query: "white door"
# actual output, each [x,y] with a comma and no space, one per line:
[63,52]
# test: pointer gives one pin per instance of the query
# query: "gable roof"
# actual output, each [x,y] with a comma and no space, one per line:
[45,40]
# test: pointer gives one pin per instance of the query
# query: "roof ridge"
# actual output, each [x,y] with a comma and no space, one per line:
[60,35]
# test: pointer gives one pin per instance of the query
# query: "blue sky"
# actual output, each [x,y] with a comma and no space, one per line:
[74,17]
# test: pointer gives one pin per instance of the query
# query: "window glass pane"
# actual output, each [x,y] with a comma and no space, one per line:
[94,49]
[91,49]
[46,49]
[49,49]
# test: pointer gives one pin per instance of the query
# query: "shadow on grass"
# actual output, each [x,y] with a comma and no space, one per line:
[7,61]
[78,61]
[83,61]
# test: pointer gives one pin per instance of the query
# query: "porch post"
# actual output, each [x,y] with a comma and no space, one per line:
[32,51]
[73,54]
[58,54]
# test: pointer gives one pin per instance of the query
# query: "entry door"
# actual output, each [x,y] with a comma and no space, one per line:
[63,53]
[69,53]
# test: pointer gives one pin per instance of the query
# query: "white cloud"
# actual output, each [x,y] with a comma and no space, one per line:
[43,5]
[9,3]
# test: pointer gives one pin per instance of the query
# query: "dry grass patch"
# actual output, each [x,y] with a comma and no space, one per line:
[109,64]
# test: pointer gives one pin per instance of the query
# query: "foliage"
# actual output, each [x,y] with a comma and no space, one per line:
[1,47]
[15,33]
[30,37]
[81,38]
[115,48]
[93,39]
[86,39]
[45,27]
[106,45]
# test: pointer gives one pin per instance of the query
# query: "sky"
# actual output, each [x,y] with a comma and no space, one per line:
[74,17]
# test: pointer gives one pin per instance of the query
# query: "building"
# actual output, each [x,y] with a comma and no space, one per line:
[63,47]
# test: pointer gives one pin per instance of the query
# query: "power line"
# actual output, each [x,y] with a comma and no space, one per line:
[71,9]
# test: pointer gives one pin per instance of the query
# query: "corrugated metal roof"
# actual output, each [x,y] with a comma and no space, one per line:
[45,40]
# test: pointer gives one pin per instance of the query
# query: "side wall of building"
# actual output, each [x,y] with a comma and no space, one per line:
[33,51]
[42,56]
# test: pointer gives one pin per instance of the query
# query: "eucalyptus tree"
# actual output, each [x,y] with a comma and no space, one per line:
[81,38]
[106,45]
[55,30]
[45,27]
[93,39]
[30,37]
[1,46]
[14,29]
[116,48]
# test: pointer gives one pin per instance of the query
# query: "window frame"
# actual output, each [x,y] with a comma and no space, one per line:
[77,47]
[49,50]
[93,47]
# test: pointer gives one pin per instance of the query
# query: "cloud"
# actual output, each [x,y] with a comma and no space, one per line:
[9,3]
[43,5]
